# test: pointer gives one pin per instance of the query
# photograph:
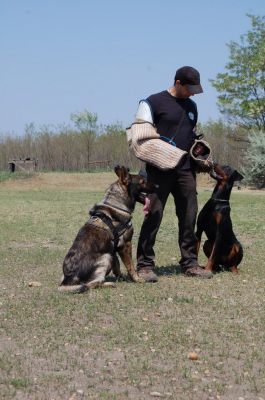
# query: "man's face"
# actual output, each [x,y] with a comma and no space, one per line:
[182,91]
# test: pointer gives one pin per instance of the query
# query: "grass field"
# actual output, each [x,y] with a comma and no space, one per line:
[131,342]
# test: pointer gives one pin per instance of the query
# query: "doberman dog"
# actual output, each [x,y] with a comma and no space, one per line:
[109,231]
[222,247]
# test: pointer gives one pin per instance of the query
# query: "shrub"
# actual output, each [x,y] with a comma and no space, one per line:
[254,169]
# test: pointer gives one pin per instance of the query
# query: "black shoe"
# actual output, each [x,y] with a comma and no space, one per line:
[147,274]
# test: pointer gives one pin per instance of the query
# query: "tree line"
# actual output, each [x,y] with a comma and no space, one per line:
[65,148]
[81,148]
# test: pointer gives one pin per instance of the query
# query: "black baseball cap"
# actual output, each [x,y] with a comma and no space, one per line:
[190,77]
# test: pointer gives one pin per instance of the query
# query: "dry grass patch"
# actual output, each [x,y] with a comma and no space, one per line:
[63,181]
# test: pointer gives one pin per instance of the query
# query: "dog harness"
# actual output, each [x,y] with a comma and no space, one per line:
[117,230]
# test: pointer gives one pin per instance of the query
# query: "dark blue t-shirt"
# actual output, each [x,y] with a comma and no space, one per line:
[167,112]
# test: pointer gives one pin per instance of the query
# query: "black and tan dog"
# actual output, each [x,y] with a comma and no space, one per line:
[108,231]
[222,247]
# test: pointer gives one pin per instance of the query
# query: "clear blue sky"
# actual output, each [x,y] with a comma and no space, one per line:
[62,56]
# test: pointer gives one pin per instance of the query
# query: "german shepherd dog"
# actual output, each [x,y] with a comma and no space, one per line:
[108,231]
[222,247]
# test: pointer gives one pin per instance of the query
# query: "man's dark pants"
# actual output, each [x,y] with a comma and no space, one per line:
[182,185]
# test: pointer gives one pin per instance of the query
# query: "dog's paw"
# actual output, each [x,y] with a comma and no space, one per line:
[138,279]
[122,278]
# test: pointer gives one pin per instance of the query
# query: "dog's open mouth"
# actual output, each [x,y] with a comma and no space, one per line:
[216,176]
[143,199]
[146,208]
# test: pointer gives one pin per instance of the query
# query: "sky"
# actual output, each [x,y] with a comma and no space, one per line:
[60,57]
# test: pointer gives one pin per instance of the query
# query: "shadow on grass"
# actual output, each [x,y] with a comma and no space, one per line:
[171,269]
[176,270]
[167,270]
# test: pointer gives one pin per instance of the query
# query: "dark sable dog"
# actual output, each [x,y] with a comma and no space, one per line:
[222,247]
[108,231]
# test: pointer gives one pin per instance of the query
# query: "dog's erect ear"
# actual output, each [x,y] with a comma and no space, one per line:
[117,169]
[123,174]
[237,176]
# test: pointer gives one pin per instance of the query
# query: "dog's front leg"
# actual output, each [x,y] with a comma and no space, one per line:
[212,260]
[198,235]
[125,253]
[216,248]
[116,267]
[234,269]
[117,270]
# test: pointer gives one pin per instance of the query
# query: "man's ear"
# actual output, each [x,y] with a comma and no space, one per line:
[123,174]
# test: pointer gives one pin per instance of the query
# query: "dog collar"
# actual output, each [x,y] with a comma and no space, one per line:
[118,208]
[221,200]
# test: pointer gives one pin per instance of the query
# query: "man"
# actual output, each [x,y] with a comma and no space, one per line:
[175,116]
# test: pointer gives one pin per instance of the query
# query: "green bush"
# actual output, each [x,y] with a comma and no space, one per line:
[254,169]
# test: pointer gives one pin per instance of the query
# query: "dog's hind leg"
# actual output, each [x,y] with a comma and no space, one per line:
[102,266]
[234,257]
[97,279]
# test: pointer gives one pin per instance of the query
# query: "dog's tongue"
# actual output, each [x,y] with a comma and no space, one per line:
[146,208]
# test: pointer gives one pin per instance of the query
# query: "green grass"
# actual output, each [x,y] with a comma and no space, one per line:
[132,341]
[6,175]
[19,383]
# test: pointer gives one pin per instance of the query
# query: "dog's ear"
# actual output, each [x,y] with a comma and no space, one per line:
[237,176]
[117,169]
[123,174]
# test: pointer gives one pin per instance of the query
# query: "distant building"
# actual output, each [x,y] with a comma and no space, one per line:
[23,165]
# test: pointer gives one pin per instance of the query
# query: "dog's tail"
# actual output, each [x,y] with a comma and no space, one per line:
[75,288]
